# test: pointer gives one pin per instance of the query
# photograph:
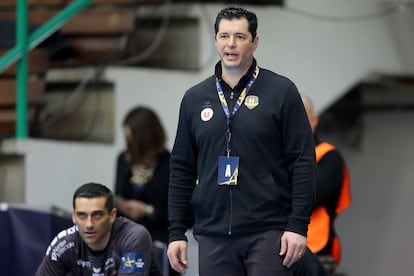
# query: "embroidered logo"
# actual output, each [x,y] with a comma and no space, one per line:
[251,101]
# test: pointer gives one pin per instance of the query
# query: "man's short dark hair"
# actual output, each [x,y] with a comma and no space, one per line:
[237,13]
[94,190]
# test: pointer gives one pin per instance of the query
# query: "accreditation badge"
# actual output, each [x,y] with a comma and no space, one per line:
[228,170]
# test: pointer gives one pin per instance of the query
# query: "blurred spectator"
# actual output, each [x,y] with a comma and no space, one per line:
[332,197]
[142,173]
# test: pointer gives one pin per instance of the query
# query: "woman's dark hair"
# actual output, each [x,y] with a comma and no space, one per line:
[147,135]
[237,13]
[94,190]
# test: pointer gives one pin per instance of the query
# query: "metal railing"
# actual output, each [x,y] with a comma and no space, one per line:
[24,44]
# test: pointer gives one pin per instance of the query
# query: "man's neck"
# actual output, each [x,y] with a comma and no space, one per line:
[232,76]
[231,79]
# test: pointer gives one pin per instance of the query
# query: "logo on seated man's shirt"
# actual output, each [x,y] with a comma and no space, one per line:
[132,262]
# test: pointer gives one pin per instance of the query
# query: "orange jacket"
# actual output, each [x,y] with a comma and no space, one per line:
[319,227]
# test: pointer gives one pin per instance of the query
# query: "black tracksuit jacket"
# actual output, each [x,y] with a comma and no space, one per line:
[276,180]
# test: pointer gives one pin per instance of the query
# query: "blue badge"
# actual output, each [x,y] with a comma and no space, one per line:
[132,262]
[228,170]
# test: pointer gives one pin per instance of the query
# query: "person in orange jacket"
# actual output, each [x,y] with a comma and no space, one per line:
[332,197]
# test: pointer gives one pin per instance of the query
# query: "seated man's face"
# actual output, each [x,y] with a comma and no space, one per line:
[94,221]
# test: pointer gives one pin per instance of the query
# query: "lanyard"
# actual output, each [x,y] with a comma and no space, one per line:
[230,115]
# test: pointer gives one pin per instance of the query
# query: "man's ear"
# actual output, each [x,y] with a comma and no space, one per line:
[73,216]
[255,42]
[112,214]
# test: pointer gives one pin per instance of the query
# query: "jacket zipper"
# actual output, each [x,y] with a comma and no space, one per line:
[231,211]
[230,192]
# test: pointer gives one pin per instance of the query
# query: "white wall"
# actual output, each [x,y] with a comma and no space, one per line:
[55,169]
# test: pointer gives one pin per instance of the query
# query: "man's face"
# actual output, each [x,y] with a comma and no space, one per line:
[235,44]
[94,221]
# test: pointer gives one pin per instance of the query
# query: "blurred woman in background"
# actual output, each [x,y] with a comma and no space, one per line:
[142,173]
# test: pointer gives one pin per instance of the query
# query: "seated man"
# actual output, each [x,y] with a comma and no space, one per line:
[100,243]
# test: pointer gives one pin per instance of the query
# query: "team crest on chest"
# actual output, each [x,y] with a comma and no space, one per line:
[251,101]
[206,114]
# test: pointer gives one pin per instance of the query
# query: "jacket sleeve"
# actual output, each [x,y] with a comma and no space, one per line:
[53,263]
[183,175]
[299,149]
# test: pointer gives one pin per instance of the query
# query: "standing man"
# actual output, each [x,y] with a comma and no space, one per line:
[243,163]
[332,197]
[99,243]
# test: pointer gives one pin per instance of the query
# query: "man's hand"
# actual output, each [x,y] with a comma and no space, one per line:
[134,209]
[293,247]
[177,255]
